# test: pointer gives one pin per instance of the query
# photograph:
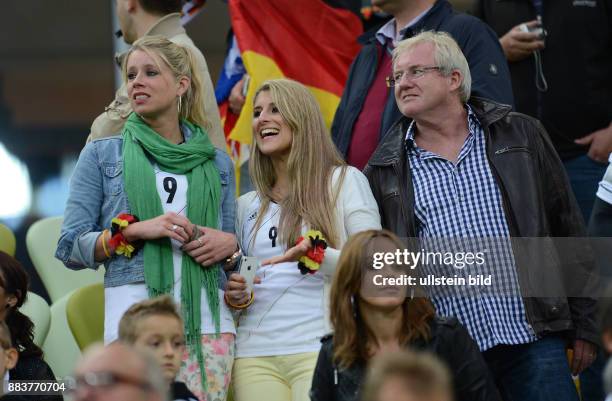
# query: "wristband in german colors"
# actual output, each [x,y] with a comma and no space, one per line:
[311,262]
[118,242]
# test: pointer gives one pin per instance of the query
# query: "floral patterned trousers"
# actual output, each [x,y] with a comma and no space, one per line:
[218,353]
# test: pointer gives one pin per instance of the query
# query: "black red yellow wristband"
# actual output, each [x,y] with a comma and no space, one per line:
[311,262]
[118,242]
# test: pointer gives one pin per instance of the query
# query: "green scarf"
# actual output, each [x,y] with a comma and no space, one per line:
[195,159]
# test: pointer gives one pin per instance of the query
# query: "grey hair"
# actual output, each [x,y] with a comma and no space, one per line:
[447,55]
[153,374]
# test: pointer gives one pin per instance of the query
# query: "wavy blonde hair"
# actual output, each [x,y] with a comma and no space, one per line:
[351,335]
[312,159]
[182,63]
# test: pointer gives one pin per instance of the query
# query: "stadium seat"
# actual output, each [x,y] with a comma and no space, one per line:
[60,348]
[85,312]
[41,241]
[37,309]
[7,240]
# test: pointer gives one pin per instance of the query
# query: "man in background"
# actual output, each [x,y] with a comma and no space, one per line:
[367,108]
[560,58]
[138,18]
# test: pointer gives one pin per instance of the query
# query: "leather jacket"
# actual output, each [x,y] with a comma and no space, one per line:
[537,201]
[449,341]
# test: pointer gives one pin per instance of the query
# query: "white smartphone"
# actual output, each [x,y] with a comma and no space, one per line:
[248,268]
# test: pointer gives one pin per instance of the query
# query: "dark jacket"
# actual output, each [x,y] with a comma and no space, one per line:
[449,341]
[537,201]
[489,70]
[577,61]
[180,392]
[31,368]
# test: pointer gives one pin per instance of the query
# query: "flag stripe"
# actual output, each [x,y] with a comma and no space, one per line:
[314,46]
[262,68]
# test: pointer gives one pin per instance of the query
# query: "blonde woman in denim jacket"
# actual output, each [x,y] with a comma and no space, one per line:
[164,171]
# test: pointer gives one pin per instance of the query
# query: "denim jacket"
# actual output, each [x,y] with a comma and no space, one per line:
[97,195]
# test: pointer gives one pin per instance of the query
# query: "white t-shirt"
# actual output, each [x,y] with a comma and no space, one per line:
[605,186]
[286,316]
[172,190]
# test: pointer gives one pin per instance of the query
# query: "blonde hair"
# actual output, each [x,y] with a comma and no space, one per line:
[182,63]
[422,374]
[128,325]
[447,55]
[312,160]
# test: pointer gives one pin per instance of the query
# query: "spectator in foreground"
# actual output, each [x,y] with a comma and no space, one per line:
[156,325]
[407,376]
[370,320]
[118,372]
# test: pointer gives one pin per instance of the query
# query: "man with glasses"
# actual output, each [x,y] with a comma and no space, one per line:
[118,373]
[367,108]
[458,169]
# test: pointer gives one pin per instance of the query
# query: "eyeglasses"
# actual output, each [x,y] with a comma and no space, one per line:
[412,73]
[103,380]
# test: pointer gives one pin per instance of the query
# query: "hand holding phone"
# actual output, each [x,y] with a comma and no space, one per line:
[248,269]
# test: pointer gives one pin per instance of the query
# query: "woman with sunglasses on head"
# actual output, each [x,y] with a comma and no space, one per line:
[371,317]
[156,206]
[306,204]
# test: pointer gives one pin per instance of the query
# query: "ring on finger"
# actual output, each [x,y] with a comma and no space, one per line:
[174,227]
[200,241]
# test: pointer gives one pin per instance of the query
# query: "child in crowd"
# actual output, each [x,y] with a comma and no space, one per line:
[8,356]
[156,325]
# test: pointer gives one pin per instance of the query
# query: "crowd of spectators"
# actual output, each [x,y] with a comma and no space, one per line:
[451,127]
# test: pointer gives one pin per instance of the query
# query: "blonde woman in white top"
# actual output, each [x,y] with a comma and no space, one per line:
[301,184]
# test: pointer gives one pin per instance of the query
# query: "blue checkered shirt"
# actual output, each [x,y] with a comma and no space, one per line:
[463,200]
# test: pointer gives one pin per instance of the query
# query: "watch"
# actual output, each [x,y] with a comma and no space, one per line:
[232,260]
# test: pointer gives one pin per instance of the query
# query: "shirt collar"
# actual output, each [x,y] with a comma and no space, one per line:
[387,31]
[167,26]
[473,127]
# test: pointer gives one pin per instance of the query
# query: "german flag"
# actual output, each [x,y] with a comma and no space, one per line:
[310,41]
